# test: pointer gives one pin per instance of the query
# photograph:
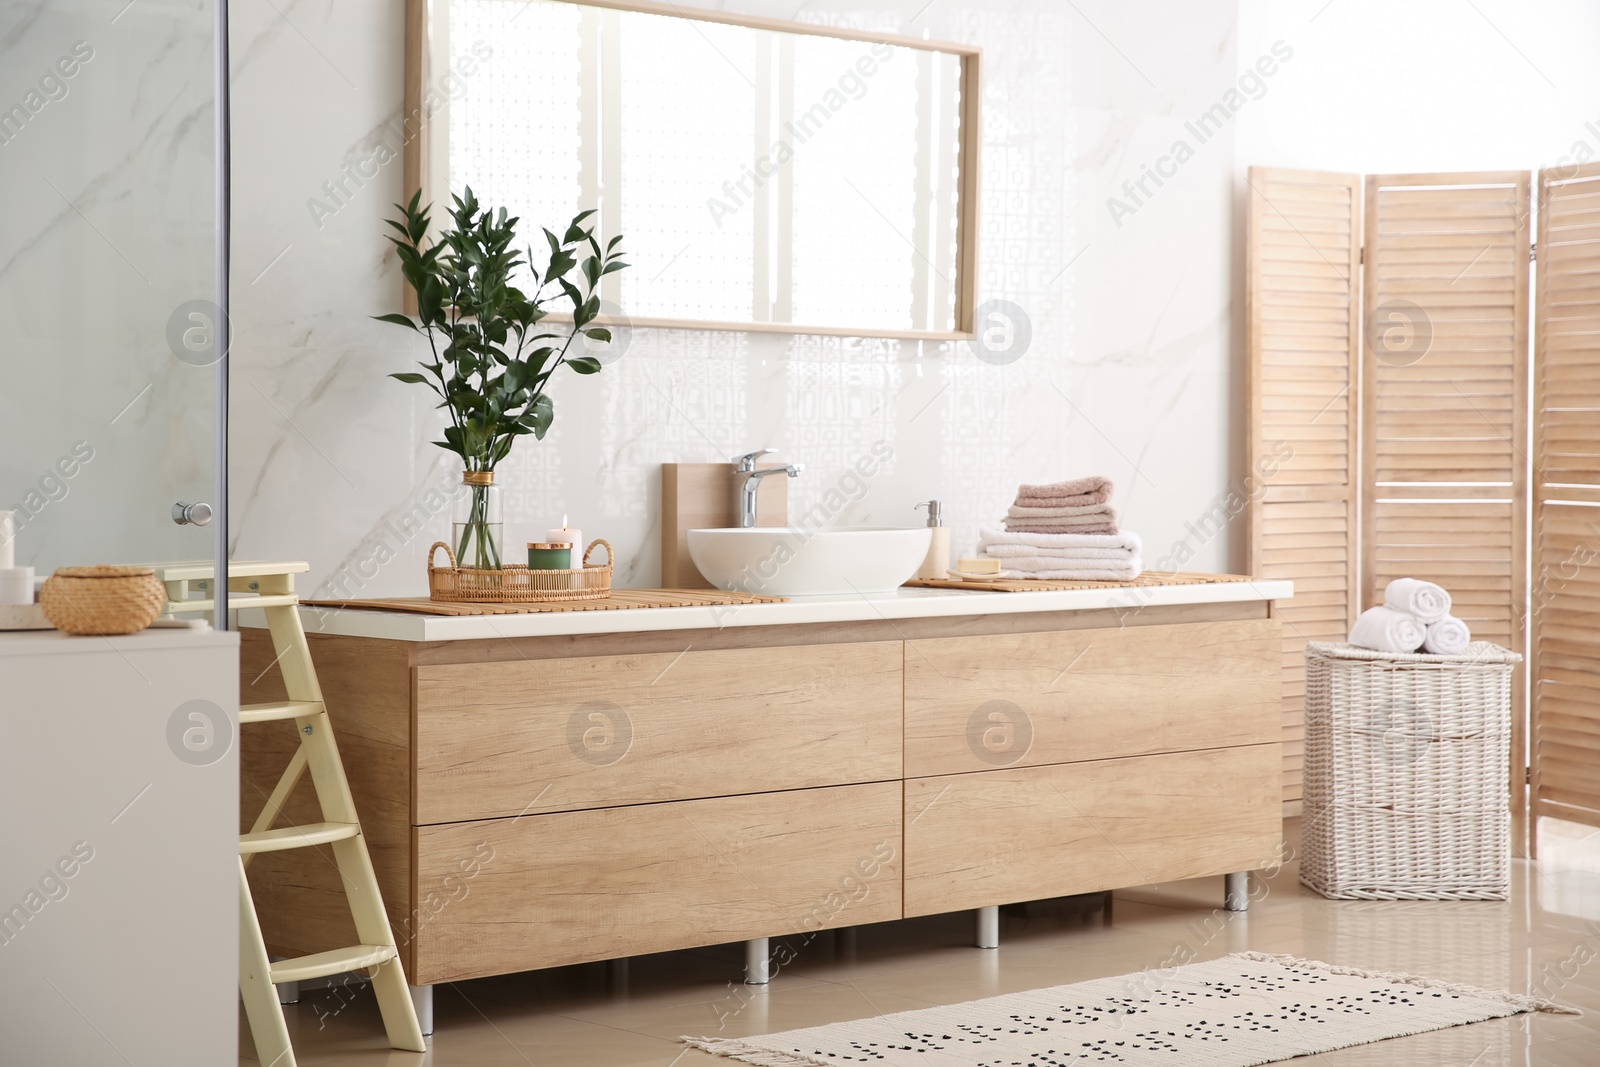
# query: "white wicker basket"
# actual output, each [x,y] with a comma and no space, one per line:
[1406,774]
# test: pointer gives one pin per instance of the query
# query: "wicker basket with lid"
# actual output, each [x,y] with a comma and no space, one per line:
[102,601]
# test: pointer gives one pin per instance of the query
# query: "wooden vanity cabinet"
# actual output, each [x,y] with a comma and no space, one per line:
[534,802]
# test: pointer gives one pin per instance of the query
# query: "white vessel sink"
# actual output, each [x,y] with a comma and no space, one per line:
[780,561]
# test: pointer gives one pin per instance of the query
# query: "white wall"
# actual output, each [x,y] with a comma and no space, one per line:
[1426,85]
[1128,373]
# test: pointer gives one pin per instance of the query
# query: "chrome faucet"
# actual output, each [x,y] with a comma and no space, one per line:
[747,481]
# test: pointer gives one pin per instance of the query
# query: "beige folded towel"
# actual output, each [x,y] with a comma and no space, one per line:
[1076,492]
[1054,528]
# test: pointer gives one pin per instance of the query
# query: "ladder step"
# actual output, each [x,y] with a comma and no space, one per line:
[334,961]
[279,709]
[268,600]
[286,837]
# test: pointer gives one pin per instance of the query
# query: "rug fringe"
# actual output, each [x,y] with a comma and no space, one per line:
[733,1048]
[1517,1000]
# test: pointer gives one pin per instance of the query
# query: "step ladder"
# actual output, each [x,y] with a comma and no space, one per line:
[270,587]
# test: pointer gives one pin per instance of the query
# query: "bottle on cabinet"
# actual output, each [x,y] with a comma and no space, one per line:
[937,562]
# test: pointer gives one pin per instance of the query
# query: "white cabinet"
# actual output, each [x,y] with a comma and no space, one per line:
[119,823]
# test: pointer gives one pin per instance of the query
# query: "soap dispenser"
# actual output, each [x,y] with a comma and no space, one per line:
[937,562]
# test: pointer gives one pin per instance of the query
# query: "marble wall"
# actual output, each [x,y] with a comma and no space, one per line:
[1127,372]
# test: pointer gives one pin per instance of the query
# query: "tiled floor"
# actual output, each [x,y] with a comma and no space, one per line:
[1546,939]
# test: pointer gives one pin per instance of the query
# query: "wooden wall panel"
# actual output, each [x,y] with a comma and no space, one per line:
[1565,602]
[1302,308]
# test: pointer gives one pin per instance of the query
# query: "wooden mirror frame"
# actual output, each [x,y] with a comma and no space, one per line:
[417,153]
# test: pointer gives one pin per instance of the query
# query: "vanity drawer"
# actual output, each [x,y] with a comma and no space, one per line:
[549,890]
[1033,699]
[973,840]
[528,736]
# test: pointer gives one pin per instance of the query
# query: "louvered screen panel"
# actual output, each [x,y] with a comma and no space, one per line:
[1445,391]
[1301,297]
[1565,602]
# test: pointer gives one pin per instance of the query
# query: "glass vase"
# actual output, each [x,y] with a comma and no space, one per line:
[479,524]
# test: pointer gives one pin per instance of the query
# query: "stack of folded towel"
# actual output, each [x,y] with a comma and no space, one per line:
[1415,615]
[1066,530]
[1078,506]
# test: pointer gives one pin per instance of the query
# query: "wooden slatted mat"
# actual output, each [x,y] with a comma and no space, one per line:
[1302,310]
[1044,585]
[619,600]
[1566,520]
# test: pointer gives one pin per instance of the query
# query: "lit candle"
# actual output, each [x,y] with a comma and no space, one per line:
[572,536]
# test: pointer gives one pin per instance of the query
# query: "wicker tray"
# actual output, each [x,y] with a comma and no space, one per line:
[1407,773]
[515,583]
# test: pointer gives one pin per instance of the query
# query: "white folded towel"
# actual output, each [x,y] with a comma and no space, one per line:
[1089,570]
[1017,511]
[1128,542]
[1011,551]
[1447,637]
[1127,564]
[1383,629]
[1424,600]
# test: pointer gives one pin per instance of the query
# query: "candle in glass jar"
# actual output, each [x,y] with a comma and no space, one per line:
[572,536]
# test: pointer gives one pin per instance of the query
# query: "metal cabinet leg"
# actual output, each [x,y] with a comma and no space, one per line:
[1236,891]
[988,935]
[422,1000]
[756,962]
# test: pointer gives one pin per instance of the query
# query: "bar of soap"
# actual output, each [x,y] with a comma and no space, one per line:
[980,565]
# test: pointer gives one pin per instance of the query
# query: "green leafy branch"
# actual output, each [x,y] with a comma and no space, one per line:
[491,361]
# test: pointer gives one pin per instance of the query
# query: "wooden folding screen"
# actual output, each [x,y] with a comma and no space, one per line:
[1420,354]
[1565,600]
[1303,311]
[1444,392]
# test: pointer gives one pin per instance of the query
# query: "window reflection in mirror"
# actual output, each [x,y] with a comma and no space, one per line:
[763,178]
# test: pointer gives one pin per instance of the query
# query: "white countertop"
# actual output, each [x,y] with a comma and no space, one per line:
[55,643]
[904,603]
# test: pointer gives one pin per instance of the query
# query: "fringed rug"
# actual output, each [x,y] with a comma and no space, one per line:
[1245,1009]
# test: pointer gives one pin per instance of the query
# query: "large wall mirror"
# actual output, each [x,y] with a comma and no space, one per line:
[766,175]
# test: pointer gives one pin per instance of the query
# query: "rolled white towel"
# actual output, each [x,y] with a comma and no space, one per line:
[1423,600]
[1447,637]
[1129,542]
[1383,629]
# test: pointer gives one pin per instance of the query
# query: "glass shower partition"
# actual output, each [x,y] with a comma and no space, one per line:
[112,281]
